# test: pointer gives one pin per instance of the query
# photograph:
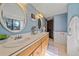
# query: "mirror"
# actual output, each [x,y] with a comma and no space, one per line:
[33,17]
[13,16]
[40,24]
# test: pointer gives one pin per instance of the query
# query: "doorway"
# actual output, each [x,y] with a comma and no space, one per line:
[50,27]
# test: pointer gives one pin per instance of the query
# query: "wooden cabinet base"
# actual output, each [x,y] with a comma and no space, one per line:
[37,49]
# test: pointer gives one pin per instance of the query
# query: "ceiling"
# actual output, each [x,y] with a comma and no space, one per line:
[51,9]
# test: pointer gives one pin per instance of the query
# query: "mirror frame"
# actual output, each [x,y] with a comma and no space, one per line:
[2,22]
[41,25]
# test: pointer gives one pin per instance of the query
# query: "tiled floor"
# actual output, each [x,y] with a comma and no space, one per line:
[55,49]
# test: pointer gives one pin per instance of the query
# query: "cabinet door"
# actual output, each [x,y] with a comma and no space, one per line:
[41,50]
[44,46]
[38,51]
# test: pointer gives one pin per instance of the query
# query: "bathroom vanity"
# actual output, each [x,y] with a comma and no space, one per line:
[14,21]
[28,45]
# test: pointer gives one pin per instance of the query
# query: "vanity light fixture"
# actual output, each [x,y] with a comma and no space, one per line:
[39,16]
[36,16]
[23,6]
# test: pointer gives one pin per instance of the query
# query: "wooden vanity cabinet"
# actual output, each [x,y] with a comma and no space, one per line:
[37,49]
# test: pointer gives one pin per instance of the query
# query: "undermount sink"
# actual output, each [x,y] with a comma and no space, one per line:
[15,43]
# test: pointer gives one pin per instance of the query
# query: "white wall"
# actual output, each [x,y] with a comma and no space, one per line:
[60,37]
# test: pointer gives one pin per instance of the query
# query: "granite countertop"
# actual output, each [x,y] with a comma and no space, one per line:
[28,39]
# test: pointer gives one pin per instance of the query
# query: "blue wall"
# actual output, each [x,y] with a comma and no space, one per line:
[73,9]
[30,23]
[60,23]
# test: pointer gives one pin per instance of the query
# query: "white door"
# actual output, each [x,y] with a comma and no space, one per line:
[72,44]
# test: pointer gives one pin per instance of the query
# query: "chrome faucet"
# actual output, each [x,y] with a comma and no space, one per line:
[18,36]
